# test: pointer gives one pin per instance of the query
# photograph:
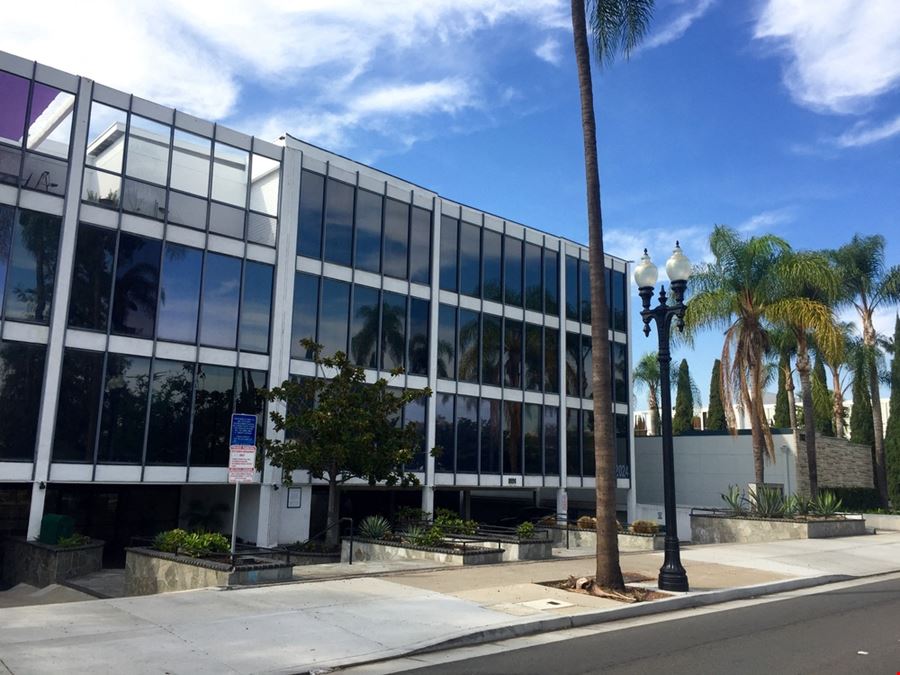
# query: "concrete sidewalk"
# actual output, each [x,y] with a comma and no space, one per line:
[297,627]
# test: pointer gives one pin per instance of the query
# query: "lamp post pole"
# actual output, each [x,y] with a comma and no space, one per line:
[672,575]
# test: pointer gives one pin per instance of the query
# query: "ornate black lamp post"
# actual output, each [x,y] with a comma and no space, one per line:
[672,576]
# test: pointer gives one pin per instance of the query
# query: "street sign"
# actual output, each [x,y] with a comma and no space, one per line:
[242,464]
[243,429]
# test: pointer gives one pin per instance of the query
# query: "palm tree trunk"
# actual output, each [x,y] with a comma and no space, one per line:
[759,467]
[809,418]
[653,427]
[609,573]
[792,408]
[877,422]
[837,410]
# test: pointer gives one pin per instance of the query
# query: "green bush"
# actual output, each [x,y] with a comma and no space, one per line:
[374,527]
[796,505]
[857,500]
[193,544]
[644,527]
[767,502]
[74,541]
[825,504]
[412,532]
[433,537]
[169,541]
[451,523]
[525,531]
[412,514]
[735,500]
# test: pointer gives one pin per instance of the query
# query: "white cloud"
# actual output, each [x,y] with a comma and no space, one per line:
[659,242]
[677,27]
[550,51]
[766,220]
[866,134]
[841,53]
[448,96]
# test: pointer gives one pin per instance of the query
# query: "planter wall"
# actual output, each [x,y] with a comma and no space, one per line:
[148,572]
[628,541]
[883,521]
[364,550]
[40,565]
[712,529]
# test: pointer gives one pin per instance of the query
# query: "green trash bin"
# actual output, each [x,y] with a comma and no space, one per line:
[54,526]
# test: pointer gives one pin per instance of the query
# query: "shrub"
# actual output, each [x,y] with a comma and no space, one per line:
[735,500]
[193,544]
[826,504]
[412,514]
[587,523]
[644,527]
[74,541]
[433,536]
[767,502]
[451,523]
[169,541]
[374,527]
[857,500]
[413,532]
[796,505]
[525,531]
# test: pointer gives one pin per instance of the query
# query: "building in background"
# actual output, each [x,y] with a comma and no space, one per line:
[157,269]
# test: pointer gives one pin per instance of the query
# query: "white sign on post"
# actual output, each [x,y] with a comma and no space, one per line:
[242,464]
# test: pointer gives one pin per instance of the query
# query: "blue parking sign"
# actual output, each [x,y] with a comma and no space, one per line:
[243,429]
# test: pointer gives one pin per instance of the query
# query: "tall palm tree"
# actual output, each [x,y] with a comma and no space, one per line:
[646,374]
[735,293]
[838,361]
[616,25]
[868,284]
[785,344]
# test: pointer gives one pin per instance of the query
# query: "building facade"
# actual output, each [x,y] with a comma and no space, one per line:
[156,270]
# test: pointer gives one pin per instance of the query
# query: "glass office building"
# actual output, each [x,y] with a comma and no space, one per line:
[156,270]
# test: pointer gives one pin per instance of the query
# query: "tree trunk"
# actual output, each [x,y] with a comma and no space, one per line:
[653,418]
[809,417]
[792,409]
[877,422]
[838,403]
[609,573]
[756,439]
[332,536]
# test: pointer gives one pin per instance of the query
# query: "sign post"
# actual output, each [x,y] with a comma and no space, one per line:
[241,461]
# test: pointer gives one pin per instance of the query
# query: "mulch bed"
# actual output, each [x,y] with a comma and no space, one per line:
[630,595]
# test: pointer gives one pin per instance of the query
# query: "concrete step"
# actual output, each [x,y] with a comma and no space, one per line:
[105,583]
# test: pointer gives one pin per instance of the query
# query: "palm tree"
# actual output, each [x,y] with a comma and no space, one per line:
[784,343]
[646,374]
[867,284]
[616,25]
[736,293]
[838,361]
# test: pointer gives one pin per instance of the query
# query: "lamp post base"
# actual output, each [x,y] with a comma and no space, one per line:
[672,576]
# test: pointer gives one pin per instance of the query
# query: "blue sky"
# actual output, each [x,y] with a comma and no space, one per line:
[777,116]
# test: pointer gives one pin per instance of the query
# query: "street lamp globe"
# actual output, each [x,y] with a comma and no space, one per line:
[678,267]
[645,273]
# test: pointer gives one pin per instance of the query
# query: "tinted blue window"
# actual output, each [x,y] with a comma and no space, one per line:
[449,251]
[418,336]
[248,399]
[534,352]
[420,246]
[551,360]
[468,345]
[619,301]
[492,248]
[619,355]
[531,436]
[213,404]
[551,440]
[414,413]
[466,434]
[573,364]
[512,353]
[179,295]
[396,236]
[170,412]
[443,437]
[256,306]
[572,303]
[573,442]
[551,282]
[338,222]
[306,302]
[21,383]
[368,231]
[470,259]
[76,415]
[92,278]
[587,365]
[534,289]
[137,283]
[364,326]
[512,437]
[446,358]
[490,435]
[32,267]
[7,215]
[334,316]
[312,196]
[221,292]
[393,330]
[512,270]
[587,443]
[492,349]
[585,275]
[124,411]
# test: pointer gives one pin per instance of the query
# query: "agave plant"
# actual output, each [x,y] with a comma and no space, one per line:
[796,505]
[735,499]
[374,527]
[413,532]
[767,502]
[826,504]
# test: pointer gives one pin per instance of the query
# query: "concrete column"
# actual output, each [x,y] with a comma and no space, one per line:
[562,503]
[561,358]
[431,407]
[428,499]
[632,482]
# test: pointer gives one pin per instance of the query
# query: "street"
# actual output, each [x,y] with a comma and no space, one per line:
[849,630]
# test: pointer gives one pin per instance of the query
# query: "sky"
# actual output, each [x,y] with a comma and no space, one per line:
[771,116]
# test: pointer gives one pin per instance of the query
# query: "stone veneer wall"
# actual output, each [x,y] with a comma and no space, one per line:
[628,541]
[840,463]
[364,550]
[38,564]
[710,529]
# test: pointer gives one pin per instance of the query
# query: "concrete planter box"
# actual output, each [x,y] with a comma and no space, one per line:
[40,565]
[148,572]
[883,521]
[364,550]
[717,529]
[527,550]
[628,541]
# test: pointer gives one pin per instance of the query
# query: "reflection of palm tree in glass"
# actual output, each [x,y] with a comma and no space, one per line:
[393,334]
[468,350]
[445,350]
[21,377]
[170,413]
[363,344]
[534,345]
[136,289]
[512,438]
[513,358]
[40,236]
[493,344]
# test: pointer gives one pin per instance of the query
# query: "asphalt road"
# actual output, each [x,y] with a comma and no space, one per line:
[850,630]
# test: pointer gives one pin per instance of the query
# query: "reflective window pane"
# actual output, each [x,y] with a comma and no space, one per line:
[572,303]
[368,231]
[623,457]
[256,306]
[213,398]
[534,352]
[573,442]
[531,435]
[551,441]
[148,150]
[179,294]
[490,421]
[396,234]
[334,316]
[619,302]
[312,198]
[226,220]
[551,360]
[587,365]
[493,265]
[13,107]
[420,246]
[265,184]
[190,163]
[77,415]
[10,159]
[512,437]
[393,330]
[534,288]
[551,282]
[446,347]
[187,210]
[219,309]
[92,278]
[414,413]
[50,120]
[230,175]
[449,244]
[170,412]
[248,399]
[44,174]
[470,259]
[364,326]
[512,270]
[619,356]
[492,348]
[338,222]
[466,434]
[21,383]
[261,229]
[106,138]
[124,410]
[585,296]
[443,437]
[32,267]
[137,281]
[573,364]
[101,188]
[468,345]
[512,353]
[303,325]
[587,443]
[144,199]
[418,336]
[7,219]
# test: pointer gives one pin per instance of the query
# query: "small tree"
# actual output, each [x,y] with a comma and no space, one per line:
[892,431]
[782,417]
[683,419]
[350,431]
[715,416]
[822,399]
